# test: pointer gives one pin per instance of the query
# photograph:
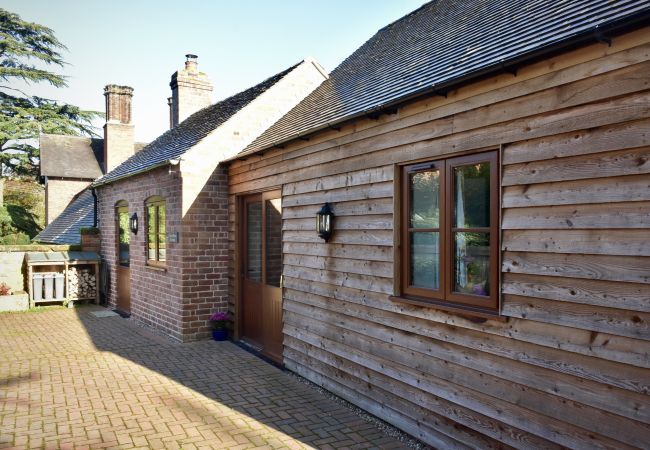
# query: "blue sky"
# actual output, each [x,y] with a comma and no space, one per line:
[239,43]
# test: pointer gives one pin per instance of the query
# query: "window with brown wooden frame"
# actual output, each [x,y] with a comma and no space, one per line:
[450,233]
[156,240]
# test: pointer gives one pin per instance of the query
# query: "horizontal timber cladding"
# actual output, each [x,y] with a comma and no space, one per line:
[569,366]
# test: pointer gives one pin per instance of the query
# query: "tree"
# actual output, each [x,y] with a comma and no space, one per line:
[26,50]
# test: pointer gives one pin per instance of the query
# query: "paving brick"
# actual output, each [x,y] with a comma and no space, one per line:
[72,380]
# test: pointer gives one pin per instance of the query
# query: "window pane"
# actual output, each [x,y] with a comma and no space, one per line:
[273,241]
[472,263]
[425,260]
[151,246]
[423,191]
[124,237]
[162,235]
[472,195]
[151,232]
[254,241]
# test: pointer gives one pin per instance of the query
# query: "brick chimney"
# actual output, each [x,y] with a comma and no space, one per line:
[191,91]
[118,131]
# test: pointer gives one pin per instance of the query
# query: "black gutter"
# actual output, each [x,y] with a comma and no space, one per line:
[92,191]
[596,34]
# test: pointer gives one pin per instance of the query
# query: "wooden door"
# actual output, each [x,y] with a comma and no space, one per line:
[261,275]
[123,275]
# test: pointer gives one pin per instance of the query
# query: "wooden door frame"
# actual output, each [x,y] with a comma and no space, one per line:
[240,248]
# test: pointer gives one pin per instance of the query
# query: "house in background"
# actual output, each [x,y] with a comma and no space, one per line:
[69,164]
[163,213]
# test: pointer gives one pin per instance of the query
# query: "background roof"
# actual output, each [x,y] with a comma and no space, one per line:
[71,156]
[65,228]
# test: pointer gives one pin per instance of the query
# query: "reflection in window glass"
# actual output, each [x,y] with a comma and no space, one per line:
[162,235]
[425,260]
[124,237]
[424,188]
[472,195]
[472,263]
[254,241]
[273,237]
[151,232]
[156,236]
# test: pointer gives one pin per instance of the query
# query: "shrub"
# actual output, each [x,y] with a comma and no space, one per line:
[15,239]
[89,230]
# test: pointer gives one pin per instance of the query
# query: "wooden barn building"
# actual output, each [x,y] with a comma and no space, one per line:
[486,279]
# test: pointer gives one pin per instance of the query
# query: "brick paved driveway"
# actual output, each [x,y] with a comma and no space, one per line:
[70,379]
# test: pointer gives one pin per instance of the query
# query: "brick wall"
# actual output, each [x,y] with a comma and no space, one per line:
[205,256]
[58,194]
[155,293]
[179,299]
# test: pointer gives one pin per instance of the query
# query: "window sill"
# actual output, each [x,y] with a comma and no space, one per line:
[472,314]
[157,267]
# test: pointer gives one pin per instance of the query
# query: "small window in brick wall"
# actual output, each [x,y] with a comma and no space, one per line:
[156,231]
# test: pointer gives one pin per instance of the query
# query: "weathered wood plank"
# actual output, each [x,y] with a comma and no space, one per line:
[612,294]
[615,215]
[361,177]
[593,267]
[356,266]
[345,194]
[370,222]
[361,237]
[611,164]
[365,252]
[353,208]
[631,188]
[610,242]
[600,345]
[368,283]
[406,415]
[581,142]
[354,361]
[630,378]
[633,324]
[486,425]
[304,333]
[622,109]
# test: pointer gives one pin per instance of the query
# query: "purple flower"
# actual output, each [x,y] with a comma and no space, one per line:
[220,319]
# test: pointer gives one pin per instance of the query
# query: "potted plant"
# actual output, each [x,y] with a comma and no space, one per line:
[220,322]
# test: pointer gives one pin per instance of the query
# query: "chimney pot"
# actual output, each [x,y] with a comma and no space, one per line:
[191,63]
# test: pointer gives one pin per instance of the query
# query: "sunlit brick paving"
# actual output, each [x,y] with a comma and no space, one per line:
[69,379]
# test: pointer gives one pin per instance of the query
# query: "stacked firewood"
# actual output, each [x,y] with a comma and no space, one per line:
[82,283]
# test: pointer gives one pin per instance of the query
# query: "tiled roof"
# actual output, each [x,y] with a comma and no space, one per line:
[65,228]
[71,156]
[176,141]
[442,43]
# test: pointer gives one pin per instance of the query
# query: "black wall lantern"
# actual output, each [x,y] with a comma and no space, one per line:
[325,222]
[133,223]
